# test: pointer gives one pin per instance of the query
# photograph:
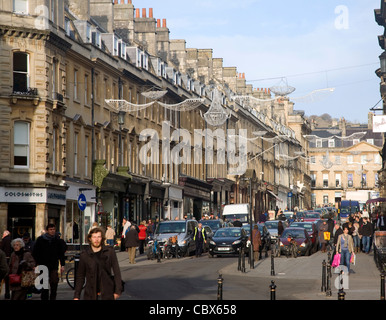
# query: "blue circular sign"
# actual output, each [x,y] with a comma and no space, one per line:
[82,203]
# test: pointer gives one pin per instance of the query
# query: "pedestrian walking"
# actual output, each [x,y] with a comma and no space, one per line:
[150,229]
[110,234]
[355,236]
[28,243]
[345,246]
[256,242]
[131,243]
[98,266]
[4,268]
[323,228]
[381,222]
[366,230]
[20,260]
[5,245]
[142,235]
[125,228]
[199,238]
[49,251]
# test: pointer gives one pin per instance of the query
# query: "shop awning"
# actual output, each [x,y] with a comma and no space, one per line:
[275,196]
[376,200]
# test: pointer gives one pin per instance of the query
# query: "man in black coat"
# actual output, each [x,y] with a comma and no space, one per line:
[98,265]
[48,251]
[5,245]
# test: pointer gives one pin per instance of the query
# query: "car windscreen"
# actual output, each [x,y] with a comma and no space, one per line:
[171,227]
[307,226]
[233,217]
[295,233]
[211,223]
[312,215]
[271,224]
[225,233]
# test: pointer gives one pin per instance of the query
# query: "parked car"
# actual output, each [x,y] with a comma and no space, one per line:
[184,229]
[227,241]
[300,235]
[272,227]
[311,217]
[214,224]
[312,232]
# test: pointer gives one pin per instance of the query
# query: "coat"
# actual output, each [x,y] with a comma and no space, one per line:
[350,244]
[16,268]
[132,239]
[256,239]
[48,251]
[323,228]
[4,268]
[88,269]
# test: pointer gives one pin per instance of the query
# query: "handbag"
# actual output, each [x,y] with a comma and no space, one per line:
[28,278]
[353,258]
[336,262]
[14,279]
[326,236]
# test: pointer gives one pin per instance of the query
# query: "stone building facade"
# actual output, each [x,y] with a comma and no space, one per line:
[66,69]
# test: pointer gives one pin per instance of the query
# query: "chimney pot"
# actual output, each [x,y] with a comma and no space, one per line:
[163,23]
[158,23]
[150,12]
[137,13]
[143,12]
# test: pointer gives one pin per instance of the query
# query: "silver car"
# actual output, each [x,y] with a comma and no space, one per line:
[272,228]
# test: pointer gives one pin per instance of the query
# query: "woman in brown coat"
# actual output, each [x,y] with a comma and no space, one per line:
[256,242]
[20,260]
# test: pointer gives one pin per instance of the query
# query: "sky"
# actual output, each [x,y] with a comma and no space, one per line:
[308,44]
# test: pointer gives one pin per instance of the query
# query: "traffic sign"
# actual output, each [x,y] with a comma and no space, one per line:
[289,194]
[82,203]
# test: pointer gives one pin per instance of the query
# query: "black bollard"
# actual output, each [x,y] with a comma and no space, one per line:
[323,288]
[243,260]
[328,281]
[382,286]
[273,290]
[272,262]
[76,264]
[220,281]
[239,261]
[341,293]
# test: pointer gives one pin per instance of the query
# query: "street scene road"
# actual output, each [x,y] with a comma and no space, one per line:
[192,278]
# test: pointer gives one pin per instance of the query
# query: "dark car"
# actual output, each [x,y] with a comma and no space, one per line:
[312,232]
[311,217]
[227,241]
[300,235]
[214,224]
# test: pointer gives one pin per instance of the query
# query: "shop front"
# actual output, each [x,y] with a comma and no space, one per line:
[31,209]
[197,197]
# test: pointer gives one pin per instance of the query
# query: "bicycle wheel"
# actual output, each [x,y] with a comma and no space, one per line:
[70,277]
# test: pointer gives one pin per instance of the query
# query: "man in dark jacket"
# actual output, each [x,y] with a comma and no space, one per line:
[4,269]
[200,238]
[366,230]
[5,245]
[95,265]
[48,251]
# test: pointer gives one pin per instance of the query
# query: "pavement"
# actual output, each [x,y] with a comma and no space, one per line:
[363,283]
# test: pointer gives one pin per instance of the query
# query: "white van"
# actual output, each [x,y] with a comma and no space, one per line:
[233,212]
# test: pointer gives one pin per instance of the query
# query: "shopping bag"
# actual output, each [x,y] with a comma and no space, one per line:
[353,258]
[326,236]
[28,278]
[336,261]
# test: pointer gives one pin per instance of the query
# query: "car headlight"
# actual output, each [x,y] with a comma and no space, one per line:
[212,242]
[281,244]
[237,242]
[303,244]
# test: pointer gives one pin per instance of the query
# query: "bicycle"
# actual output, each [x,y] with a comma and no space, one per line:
[292,248]
[70,275]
